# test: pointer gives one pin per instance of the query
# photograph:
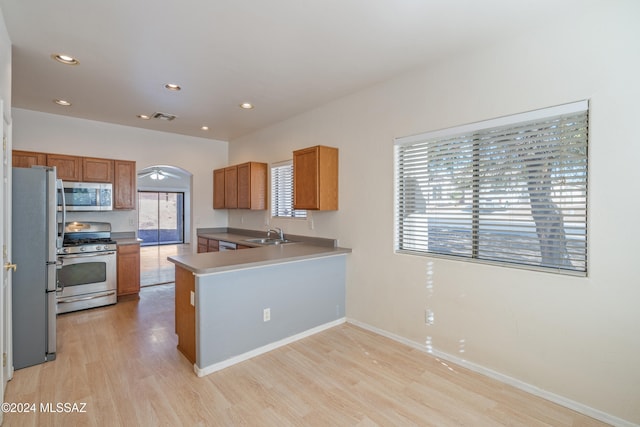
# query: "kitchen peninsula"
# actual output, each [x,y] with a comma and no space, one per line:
[234,305]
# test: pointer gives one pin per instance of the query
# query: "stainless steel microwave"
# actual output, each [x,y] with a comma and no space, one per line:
[86,196]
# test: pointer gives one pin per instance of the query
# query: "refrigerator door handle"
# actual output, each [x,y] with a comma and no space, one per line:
[52,312]
[52,276]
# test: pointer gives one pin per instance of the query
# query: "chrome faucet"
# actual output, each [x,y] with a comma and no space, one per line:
[277,230]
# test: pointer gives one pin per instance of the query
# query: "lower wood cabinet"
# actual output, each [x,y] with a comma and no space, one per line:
[185,313]
[206,244]
[128,270]
[202,244]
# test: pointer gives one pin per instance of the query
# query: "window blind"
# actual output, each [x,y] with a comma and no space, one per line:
[511,190]
[282,191]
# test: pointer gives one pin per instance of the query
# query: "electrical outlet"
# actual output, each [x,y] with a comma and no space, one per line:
[429,317]
[266,314]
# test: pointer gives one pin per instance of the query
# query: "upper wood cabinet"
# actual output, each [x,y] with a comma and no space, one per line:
[26,159]
[124,184]
[97,170]
[218,189]
[231,187]
[252,186]
[241,186]
[122,173]
[315,178]
[68,168]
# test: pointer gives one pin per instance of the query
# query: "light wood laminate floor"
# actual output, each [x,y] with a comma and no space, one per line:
[123,363]
[154,267]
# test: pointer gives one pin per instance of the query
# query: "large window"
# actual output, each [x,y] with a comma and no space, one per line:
[511,190]
[282,191]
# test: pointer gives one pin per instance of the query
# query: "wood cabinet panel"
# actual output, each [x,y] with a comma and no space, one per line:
[231,187]
[241,186]
[128,269]
[315,178]
[213,245]
[252,186]
[208,245]
[68,168]
[122,173]
[97,170]
[203,245]
[185,313]
[218,189]
[124,184]
[26,159]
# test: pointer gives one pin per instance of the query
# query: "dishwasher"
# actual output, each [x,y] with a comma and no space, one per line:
[226,246]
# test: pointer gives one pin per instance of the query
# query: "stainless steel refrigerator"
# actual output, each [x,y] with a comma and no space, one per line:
[34,239]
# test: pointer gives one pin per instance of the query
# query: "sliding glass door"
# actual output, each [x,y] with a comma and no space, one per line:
[160,217]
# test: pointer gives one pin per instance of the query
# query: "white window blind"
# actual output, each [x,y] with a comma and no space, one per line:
[282,191]
[511,191]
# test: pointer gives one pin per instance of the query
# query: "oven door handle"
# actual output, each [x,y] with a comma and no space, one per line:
[87,255]
[70,300]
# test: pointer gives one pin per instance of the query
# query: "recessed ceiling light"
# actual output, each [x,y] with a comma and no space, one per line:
[205,128]
[65,59]
[143,116]
[246,105]
[171,86]
[62,102]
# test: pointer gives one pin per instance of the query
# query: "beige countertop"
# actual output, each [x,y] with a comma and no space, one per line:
[216,262]
[127,241]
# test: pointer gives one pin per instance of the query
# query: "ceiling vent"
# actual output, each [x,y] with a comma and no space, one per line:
[163,116]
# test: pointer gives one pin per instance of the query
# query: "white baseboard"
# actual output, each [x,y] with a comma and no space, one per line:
[560,400]
[201,372]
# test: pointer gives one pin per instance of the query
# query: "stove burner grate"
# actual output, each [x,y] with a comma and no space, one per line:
[91,241]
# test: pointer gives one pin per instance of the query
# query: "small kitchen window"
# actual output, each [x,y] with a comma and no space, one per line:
[509,191]
[282,191]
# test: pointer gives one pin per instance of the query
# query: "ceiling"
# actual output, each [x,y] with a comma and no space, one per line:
[283,56]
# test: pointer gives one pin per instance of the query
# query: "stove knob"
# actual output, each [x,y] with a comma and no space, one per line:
[98,247]
[82,249]
[65,250]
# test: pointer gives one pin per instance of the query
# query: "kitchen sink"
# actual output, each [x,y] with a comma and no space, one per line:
[268,241]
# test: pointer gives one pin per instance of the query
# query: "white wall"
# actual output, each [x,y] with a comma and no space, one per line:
[5,66]
[35,131]
[576,337]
